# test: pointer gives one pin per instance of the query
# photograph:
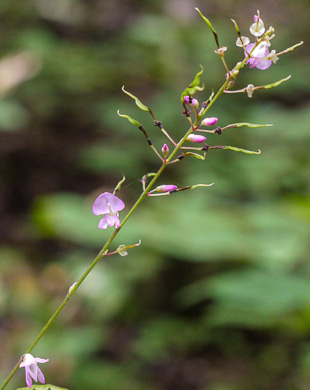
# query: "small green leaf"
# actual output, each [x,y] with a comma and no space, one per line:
[42,387]
[137,101]
[193,87]
[241,150]
[131,120]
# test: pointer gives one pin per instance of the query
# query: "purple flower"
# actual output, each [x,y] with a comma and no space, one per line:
[32,370]
[258,56]
[108,204]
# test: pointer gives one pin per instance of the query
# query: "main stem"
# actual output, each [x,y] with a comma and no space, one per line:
[101,254]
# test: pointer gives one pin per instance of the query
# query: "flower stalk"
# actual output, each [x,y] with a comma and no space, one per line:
[109,205]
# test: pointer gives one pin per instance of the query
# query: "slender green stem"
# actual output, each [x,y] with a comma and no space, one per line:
[101,254]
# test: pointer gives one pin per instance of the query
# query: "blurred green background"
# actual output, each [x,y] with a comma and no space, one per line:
[217,297]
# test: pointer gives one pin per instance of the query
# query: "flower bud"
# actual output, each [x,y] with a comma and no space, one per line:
[209,121]
[166,188]
[197,139]
[190,100]
[165,150]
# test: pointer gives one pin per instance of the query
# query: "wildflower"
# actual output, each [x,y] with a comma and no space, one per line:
[209,121]
[108,204]
[32,370]
[197,139]
[259,56]
[191,101]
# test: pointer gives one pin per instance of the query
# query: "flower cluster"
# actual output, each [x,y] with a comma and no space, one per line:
[258,52]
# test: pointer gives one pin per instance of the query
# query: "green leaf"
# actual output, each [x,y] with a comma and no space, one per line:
[131,120]
[193,87]
[42,387]
[241,150]
[137,101]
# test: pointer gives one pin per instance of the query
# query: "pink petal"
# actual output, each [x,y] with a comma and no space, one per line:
[40,375]
[39,360]
[117,222]
[103,223]
[33,371]
[100,205]
[263,64]
[28,379]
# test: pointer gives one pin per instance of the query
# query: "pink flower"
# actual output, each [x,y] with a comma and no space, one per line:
[258,56]
[32,370]
[108,204]
[197,139]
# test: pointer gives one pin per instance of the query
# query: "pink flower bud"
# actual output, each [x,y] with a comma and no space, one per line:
[189,100]
[165,150]
[197,139]
[166,188]
[209,121]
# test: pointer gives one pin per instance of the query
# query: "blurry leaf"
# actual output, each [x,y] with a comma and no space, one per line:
[251,297]
[110,376]
[12,116]
[161,338]
[68,216]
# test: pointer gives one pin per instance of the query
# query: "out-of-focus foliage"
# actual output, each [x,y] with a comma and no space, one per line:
[217,296]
